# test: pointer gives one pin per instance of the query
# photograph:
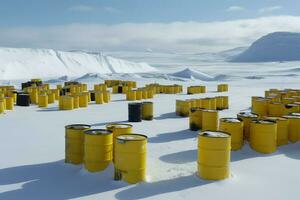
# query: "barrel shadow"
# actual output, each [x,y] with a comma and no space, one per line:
[291,150]
[171,115]
[105,123]
[145,190]
[173,136]
[182,157]
[55,180]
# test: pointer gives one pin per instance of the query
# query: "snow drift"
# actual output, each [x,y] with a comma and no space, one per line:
[278,46]
[24,63]
[193,74]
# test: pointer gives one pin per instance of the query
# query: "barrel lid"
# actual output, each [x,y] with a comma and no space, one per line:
[119,125]
[214,134]
[147,102]
[295,114]
[290,105]
[247,114]
[78,126]
[135,103]
[231,120]
[274,119]
[263,121]
[207,110]
[97,132]
[132,137]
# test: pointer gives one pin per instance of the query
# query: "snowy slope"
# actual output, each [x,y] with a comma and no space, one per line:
[278,46]
[21,63]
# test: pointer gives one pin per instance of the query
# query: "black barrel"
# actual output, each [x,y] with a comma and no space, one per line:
[25,85]
[135,112]
[120,89]
[23,99]
[92,94]
[64,91]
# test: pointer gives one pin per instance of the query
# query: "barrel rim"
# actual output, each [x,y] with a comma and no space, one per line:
[259,121]
[228,118]
[73,126]
[99,132]
[240,114]
[203,132]
[130,140]
[147,102]
[135,103]
[113,124]
[210,110]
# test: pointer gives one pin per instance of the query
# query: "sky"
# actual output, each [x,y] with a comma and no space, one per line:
[138,25]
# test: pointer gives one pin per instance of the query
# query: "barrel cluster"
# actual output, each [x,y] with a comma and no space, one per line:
[165,89]
[183,107]
[96,149]
[197,89]
[222,87]
[8,96]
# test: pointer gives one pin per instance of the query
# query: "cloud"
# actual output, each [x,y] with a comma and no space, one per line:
[235,8]
[81,8]
[112,10]
[175,37]
[269,9]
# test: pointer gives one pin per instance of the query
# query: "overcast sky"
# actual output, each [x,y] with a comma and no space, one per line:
[137,25]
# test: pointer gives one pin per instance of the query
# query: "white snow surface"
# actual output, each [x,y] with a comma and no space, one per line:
[24,63]
[32,144]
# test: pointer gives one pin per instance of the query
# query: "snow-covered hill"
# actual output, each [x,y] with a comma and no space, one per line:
[278,46]
[24,63]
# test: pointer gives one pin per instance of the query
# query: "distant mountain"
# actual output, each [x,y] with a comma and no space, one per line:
[26,63]
[274,47]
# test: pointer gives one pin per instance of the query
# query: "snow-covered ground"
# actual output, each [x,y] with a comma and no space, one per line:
[32,142]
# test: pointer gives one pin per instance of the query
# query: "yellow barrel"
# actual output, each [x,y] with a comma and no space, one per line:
[98,149]
[75,101]
[206,103]
[178,107]
[210,120]
[83,100]
[43,101]
[150,94]
[294,128]
[147,110]
[106,96]
[185,108]
[67,103]
[282,129]
[213,155]
[233,127]
[2,109]
[260,107]
[263,136]
[145,94]
[74,145]
[139,95]
[195,119]
[276,109]
[247,118]
[34,96]
[119,129]
[130,157]
[51,97]
[99,97]
[131,95]
[219,103]
[9,101]
[199,103]
[225,102]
